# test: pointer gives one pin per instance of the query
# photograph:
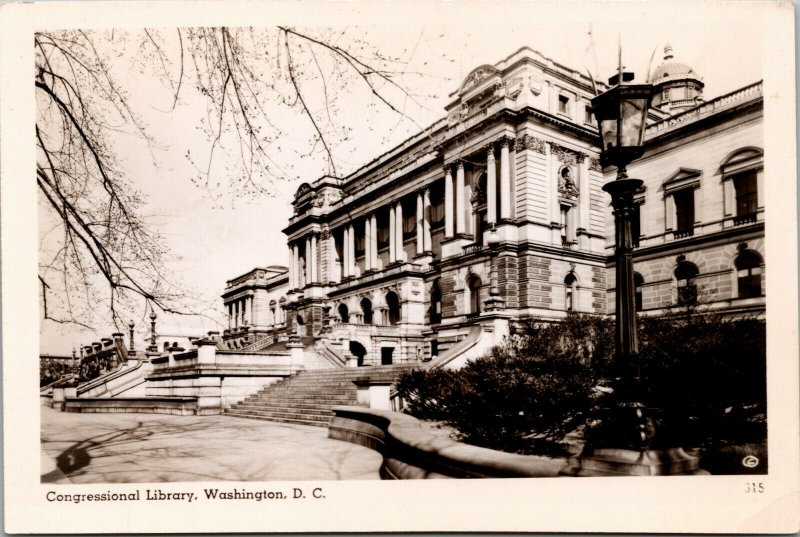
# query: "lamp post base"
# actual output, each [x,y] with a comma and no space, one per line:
[626,462]
[631,440]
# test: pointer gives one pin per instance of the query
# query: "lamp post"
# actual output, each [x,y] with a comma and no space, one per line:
[495,301]
[624,440]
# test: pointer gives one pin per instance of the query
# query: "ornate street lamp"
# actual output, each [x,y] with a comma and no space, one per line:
[624,442]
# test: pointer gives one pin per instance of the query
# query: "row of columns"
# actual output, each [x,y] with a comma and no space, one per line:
[239,311]
[455,189]
[299,275]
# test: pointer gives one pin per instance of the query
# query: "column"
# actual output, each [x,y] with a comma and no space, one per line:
[351,249]
[505,181]
[426,221]
[448,201]
[420,218]
[398,228]
[291,269]
[313,258]
[230,315]
[729,197]
[345,252]
[392,236]
[367,245]
[373,241]
[332,264]
[309,254]
[236,316]
[491,186]
[296,266]
[584,192]
[460,197]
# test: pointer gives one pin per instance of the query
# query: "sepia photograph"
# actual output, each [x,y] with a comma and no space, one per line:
[285,257]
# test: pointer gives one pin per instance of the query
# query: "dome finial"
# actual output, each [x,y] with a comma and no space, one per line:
[668,52]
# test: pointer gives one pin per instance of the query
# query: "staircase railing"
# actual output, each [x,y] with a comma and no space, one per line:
[473,336]
[331,354]
[259,344]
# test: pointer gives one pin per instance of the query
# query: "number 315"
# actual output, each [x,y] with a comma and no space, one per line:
[755,488]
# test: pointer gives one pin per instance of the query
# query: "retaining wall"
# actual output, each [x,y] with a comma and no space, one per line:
[412,450]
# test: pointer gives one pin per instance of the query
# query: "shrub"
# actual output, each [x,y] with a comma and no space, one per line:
[708,374]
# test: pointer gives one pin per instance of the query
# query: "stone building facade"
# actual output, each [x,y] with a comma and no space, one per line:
[496,213]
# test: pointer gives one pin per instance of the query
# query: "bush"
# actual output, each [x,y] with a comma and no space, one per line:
[707,374]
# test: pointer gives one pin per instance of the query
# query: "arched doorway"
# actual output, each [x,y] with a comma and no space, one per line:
[393,307]
[570,291]
[344,314]
[366,310]
[358,350]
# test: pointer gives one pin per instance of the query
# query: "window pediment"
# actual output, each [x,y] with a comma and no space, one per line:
[742,159]
[683,178]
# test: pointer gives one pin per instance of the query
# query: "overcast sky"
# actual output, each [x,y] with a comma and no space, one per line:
[220,235]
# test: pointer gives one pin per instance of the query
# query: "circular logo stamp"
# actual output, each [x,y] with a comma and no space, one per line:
[750,461]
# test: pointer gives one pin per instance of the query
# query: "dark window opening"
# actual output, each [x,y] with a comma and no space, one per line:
[685,276]
[684,210]
[436,304]
[344,314]
[366,310]
[475,295]
[437,205]
[748,274]
[638,282]
[746,186]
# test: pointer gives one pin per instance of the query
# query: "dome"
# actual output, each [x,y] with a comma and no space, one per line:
[671,70]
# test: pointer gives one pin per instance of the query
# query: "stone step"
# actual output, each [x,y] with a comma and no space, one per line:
[287,413]
[319,409]
[281,420]
[283,416]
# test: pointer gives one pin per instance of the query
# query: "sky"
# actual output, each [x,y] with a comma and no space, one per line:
[215,236]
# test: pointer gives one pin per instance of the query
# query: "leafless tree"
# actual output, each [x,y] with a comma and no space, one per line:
[257,84]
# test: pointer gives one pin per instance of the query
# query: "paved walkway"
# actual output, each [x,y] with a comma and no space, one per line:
[139,448]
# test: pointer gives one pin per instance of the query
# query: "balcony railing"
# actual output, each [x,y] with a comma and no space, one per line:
[473,248]
[744,219]
[396,268]
[682,233]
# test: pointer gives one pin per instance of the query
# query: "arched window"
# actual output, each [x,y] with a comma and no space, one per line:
[166,346]
[436,303]
[366,310]
[748,274]
[344,314]
[638,282]
[474,285]
[685,276]
[300,320]
[570,291]
[393,305]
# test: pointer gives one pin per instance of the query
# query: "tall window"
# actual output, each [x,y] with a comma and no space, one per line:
[409,218]
[587,115]
[638,282]
[567,231]
[437,205]
[636,223]
[684,212]
[393,305]
[685,276]
[746,188]
[359,240]
[748,274]
[570,291]
[474,286]
[382,220]
[366,310]
[436,304]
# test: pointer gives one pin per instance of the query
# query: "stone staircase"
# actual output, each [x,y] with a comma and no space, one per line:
[307,398]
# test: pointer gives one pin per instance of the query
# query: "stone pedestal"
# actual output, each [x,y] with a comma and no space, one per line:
[373,394]
[296,353]
[58,399]
[206,351]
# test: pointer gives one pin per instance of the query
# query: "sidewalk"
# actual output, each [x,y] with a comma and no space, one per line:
[142,448]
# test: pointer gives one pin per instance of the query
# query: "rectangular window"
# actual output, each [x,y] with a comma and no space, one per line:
[567,231]
[588,118]
[746,186]
[563,104]
[409,219]
[684,211]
